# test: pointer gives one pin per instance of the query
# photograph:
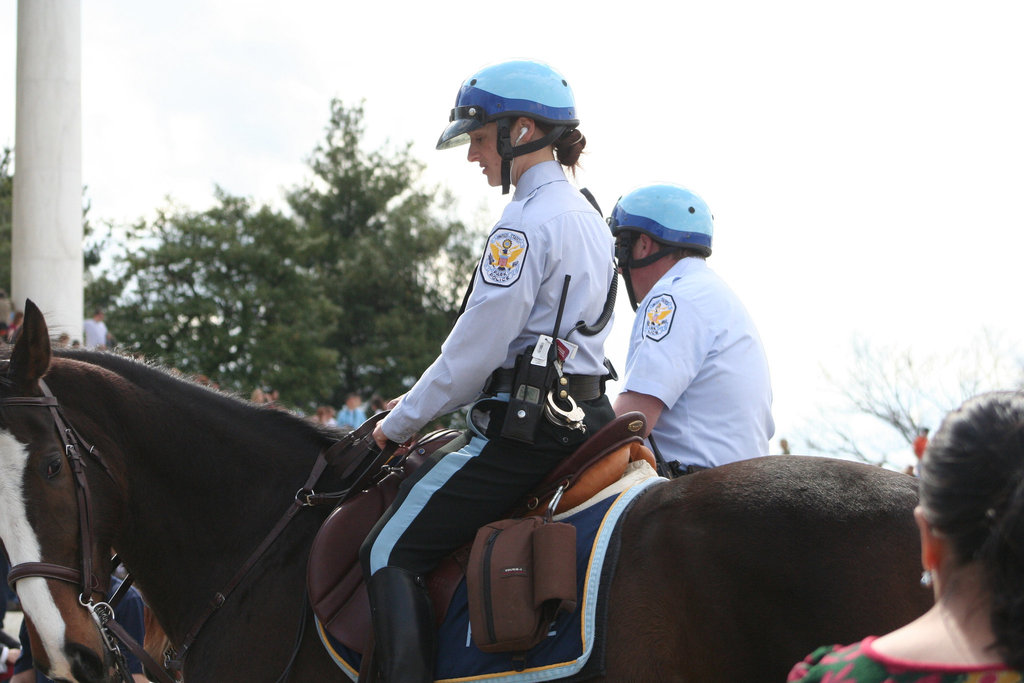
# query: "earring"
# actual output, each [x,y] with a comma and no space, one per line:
[926,578]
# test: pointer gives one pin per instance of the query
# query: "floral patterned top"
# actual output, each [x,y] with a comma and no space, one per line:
[860,663]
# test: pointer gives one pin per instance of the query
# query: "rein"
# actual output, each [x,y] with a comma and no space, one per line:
[220,597]
[350,457]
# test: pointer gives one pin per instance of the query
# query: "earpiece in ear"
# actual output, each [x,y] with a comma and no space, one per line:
[522,132]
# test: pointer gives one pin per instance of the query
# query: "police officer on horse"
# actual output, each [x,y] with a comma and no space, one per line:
[695,367]
[518,353]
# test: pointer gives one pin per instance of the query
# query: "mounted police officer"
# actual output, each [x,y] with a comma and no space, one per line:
[518,350]
[695,367]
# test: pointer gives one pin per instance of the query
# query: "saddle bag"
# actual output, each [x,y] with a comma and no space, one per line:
[521,576]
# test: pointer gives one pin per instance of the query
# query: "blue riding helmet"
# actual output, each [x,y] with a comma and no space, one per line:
[507,90]
[503,92]
[670,214]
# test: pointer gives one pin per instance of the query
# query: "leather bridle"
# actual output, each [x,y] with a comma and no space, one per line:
[348,453]
[74,446]
[75,450]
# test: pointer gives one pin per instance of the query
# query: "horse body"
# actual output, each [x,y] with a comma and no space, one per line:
[759,562]
[729,574]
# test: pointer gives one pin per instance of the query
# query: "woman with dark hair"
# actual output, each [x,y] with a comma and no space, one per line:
[971,519]
[536,382]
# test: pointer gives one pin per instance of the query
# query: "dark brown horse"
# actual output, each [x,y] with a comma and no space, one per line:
[731,574]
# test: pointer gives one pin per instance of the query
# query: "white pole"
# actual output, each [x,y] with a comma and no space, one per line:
[46,239]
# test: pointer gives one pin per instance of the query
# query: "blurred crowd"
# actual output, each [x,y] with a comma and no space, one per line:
[352,413]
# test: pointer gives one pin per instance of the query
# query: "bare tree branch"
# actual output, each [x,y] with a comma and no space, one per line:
[887,395]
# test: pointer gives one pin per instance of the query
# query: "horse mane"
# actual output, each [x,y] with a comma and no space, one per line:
[141,374]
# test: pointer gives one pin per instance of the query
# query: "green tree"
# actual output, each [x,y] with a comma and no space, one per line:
[223,293]
[889,393]
[99,292]
[6,202]
[391,255]
[355,291]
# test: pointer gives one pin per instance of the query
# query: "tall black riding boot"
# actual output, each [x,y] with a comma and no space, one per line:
[403,626]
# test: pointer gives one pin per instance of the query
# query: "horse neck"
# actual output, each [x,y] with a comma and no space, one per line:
[203,479]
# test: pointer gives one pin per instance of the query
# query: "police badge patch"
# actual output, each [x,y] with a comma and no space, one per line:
[658,317]
[503,260]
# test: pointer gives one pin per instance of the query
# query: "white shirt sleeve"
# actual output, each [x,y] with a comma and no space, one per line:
[478,344]
[664,366]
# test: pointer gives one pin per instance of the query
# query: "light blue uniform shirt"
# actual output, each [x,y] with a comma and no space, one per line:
[695,347]
[548,230]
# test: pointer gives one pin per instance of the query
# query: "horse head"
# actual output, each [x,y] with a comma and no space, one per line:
[60,563]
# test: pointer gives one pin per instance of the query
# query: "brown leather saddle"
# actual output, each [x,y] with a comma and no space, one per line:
[335,577]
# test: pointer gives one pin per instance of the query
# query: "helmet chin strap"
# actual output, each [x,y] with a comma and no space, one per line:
[630,292]
[508,151]
[651,258]
[624,256]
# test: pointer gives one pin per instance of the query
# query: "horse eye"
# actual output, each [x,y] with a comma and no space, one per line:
[53,469]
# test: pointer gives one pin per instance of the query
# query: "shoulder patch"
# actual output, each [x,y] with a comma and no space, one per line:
[658,317]
[504,257]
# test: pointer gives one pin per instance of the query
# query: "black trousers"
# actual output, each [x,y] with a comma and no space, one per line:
[473,481]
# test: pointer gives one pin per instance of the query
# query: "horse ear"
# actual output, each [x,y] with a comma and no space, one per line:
[31,356]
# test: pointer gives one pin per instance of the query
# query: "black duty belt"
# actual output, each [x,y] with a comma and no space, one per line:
[678,469]
[580,387]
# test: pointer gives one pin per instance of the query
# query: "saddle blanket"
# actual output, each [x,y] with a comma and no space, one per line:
[571,640]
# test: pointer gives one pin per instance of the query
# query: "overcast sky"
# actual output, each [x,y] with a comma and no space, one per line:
[863,160]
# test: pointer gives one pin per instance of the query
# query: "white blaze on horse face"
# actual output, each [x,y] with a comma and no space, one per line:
[23,546]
